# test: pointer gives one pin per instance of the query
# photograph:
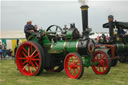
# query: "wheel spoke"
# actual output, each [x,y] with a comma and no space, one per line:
[77,66]
[99,68]
[34,66]
[28,51]
[36,55]
[75,72]
[69,62]
[24,49]
[28,68]
[70,69]
[36,63]
[72,59]
[78,69]
[24,62]
[103,68]
[24,54]
[25,67]
[103,57]
[35,59]
[21,58]
[77,62]
[31,49]
[97,58]
[100,55]
[31,69]
[33,53]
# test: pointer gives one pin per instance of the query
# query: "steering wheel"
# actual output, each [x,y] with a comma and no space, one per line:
[54,29]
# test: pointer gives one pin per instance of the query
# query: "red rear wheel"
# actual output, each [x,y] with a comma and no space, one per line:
[102,63]
[29,58]
[73,66]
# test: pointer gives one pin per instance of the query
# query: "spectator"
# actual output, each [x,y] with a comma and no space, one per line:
[4,50]
[9,53]
[1,50]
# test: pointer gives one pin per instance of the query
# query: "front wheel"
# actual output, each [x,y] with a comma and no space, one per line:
[73,66]
[101,62]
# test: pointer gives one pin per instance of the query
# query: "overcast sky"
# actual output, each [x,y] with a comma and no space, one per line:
[15,14]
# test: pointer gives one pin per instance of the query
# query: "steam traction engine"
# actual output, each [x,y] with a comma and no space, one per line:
[117,46]
[56,49]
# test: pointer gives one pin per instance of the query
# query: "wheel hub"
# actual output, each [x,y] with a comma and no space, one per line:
[101,62]
[28,59]
[73,66]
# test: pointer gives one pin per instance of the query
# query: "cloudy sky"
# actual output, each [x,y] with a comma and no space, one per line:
[15,14]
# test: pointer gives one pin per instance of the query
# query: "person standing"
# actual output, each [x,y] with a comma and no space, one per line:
[1,50]
[28,29]
[4,50]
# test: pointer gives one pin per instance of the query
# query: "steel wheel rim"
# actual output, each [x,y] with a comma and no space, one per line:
[72,66]
[28,61]
[103,65]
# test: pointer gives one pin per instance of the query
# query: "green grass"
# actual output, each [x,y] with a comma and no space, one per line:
[9,75]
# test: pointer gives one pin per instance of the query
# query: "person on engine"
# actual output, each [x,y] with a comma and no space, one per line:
[28,29]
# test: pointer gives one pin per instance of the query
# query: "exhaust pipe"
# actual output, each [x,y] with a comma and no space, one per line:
[111,27]
[84,10]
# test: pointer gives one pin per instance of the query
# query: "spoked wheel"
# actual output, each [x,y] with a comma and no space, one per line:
[101,62]
[30,58]
[55,28]
[73,66]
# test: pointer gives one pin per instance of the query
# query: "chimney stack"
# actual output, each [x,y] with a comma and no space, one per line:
[84,10]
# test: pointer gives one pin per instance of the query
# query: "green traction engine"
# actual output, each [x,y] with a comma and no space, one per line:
[56,49]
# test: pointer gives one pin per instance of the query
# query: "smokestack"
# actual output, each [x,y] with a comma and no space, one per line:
[110,20]
[84,10]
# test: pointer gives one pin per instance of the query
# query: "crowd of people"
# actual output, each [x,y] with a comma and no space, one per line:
[4,51]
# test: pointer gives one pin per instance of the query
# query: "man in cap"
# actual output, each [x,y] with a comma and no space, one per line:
[28,29]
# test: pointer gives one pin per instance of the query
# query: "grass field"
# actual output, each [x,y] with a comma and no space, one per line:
[10,76]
